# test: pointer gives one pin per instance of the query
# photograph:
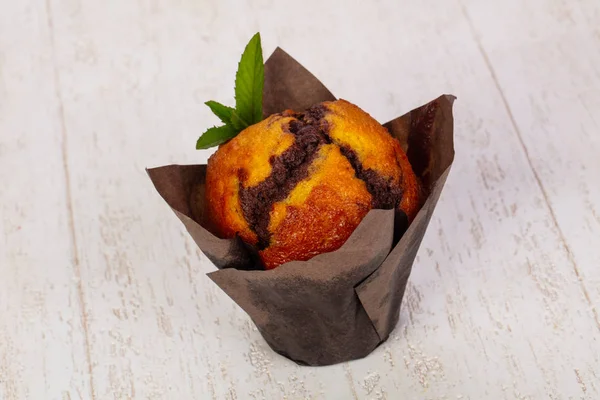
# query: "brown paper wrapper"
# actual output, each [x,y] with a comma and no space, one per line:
[337,306]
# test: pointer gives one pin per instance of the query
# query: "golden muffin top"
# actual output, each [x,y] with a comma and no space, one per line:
[297,184]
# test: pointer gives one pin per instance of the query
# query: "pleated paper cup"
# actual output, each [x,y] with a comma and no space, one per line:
[341,305]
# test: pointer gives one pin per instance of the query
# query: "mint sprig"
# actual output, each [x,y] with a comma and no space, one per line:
[249,82]
[215,136]
[221,111]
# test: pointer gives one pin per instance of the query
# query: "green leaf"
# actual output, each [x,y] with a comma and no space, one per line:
[237,122]
[249,82]
[221,111]
[215,136]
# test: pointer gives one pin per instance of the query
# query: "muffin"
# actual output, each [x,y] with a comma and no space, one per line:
[297,184]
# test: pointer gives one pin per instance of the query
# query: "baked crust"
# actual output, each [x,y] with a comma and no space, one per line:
[298,184]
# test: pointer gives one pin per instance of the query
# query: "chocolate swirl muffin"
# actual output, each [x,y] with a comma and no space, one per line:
[297,184]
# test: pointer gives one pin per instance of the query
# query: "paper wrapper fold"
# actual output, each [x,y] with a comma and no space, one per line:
[337,306]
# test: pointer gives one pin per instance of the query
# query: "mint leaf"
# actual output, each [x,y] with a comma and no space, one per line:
[227,115]
[237,122]
[221,111]
[215,136]
[249,82]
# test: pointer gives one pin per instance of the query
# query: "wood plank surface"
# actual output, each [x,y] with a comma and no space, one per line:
[42,340]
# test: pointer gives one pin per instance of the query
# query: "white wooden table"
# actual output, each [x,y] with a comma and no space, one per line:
[102,293]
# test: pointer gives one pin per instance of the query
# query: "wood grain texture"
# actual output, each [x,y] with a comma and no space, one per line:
[101,283]
[42,343]
[557,100]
